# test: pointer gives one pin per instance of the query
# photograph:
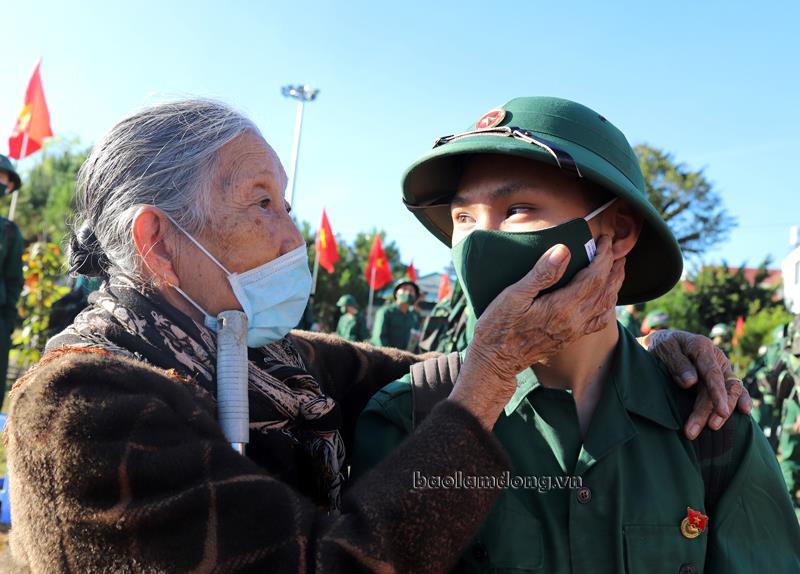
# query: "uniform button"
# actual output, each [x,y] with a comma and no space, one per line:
[584,494]
[479,552]
[688,568]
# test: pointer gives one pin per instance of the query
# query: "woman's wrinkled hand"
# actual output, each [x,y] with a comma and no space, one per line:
[691,359]
[521,328]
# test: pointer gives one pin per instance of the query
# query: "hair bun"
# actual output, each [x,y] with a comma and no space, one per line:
[86,257]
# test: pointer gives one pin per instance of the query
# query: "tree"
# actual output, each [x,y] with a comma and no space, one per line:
[712,295]
[46,202]
[685,199]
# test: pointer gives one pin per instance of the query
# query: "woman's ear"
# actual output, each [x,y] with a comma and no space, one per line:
[624,225]
[150,227]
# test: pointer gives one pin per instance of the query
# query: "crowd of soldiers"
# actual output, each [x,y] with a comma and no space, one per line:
[774,383]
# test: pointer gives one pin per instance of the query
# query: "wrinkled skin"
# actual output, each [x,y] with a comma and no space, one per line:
[691,358]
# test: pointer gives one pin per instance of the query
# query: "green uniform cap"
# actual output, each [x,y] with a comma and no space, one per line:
[8,167]
[568,135]
[402,282]
[347,301]
[657,319]
[720,330]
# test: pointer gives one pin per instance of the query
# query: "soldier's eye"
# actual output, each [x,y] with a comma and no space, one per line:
[463,218]
[519,209]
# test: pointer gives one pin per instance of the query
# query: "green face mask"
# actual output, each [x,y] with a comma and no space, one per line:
[487,262]
[405,297]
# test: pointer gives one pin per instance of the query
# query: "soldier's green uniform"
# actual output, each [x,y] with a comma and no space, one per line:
[762,384]
[11,280]
[393,326]
[788,395]
[615,499]
[350,327]
[637,472]
[450,325]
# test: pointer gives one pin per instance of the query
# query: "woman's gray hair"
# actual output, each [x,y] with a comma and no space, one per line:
[164,156]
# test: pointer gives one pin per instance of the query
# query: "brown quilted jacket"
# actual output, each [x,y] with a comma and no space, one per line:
[117,466]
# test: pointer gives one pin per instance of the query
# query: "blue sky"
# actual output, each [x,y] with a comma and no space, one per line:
[715,82]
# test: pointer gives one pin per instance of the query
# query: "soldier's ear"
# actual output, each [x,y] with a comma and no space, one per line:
[624,224]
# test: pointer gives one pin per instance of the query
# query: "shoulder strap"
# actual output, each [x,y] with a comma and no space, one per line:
[431,382]
[713,450]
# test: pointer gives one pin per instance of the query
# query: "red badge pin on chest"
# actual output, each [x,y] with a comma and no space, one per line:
[694,524]
[491,119]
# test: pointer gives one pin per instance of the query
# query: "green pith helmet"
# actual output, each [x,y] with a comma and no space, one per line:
[567,135]
[720,330]
[346,301]
[402,282]
[8,167]
[657,319]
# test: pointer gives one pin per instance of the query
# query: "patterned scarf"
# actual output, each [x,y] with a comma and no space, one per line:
[294,427]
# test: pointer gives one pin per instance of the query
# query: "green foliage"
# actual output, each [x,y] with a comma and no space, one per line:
[43,268]
[348,275]
[685,199]
[46,200]
[714,295]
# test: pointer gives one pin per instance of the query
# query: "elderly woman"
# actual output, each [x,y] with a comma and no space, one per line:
[118,461]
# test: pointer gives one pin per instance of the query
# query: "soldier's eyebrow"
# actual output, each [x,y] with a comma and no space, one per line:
[496,194]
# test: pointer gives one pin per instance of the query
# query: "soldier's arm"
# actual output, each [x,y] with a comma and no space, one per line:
[754,527]
[382,427]
[380,330]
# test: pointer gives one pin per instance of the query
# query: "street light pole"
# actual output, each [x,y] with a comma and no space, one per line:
[302,94]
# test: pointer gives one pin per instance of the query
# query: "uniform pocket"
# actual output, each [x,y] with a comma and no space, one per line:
[510,542]
[662,550]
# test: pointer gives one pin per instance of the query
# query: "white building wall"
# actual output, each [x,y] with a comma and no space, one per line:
[791,280]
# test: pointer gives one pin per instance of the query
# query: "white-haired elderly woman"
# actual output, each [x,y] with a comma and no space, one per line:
[118,462]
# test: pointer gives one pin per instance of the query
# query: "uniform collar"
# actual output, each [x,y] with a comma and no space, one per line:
[640,382]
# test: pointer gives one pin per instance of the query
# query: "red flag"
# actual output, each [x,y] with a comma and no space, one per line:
[327,252]
[739,331]
[411,272]
[444,287]
[378,262]
[33,123]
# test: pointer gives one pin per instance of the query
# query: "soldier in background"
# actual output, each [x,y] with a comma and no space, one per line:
[395,322]
[11,279]
[654,321]
[351,324]
[631,318]
[450,325]
[787,376]
[722,337]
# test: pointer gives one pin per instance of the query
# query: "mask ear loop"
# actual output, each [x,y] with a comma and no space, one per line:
[171,285]
[600,209]
[199,246]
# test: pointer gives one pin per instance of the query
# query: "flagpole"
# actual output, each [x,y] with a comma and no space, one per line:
[316,270]
[371,296]
[13,209]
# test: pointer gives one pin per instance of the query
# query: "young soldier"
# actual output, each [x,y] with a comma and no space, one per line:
[351,324]
[11,278]
[395,322]
[609,482]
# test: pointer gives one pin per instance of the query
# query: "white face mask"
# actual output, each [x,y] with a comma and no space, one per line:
[273,295]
